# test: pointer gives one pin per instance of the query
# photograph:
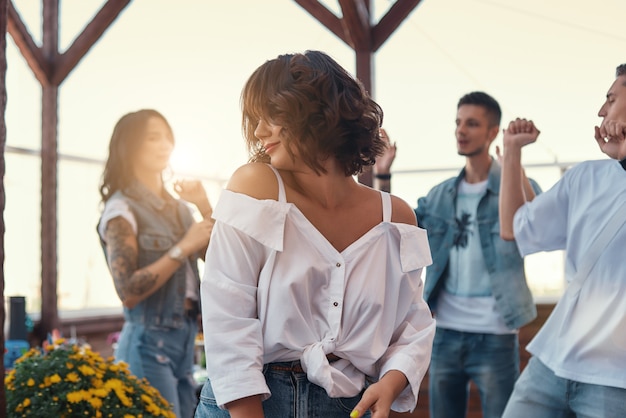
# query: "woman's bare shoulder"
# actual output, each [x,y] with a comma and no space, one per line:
[256,180]
[401,212]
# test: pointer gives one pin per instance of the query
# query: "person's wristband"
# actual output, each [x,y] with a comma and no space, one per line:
[383,176]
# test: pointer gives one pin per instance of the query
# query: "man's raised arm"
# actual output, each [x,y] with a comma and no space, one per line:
[519,133]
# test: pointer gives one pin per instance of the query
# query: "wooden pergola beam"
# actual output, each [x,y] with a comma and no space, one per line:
[30,51]
[93,31]
[356,21]
[387,25]
[326,18]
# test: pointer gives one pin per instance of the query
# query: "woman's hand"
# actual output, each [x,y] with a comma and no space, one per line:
[249,407]
[197,236]
[193,192]
[380,395]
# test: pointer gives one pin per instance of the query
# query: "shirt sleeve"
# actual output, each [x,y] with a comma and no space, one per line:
[411,345]
[232,329]
[112,209]
[541,224]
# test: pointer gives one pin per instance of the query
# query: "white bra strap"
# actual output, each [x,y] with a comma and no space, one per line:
[386,198]
[282,196]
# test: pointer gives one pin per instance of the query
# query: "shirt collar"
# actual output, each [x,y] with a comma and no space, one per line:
[623,163]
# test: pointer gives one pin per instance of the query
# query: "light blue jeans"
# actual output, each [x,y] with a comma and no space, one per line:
[490,361]
[293,396]
[165,357]
[539,393]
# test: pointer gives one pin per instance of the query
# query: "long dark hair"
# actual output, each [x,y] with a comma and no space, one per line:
[125,142]
[325,112]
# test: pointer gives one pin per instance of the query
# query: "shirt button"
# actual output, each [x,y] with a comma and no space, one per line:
[338,264]
[335,304]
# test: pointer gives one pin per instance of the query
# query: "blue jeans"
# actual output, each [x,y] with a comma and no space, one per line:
[293,396]
[490,361]
[539,393]
[165,357]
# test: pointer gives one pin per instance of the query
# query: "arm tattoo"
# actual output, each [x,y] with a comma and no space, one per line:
[122,257]
[141,282]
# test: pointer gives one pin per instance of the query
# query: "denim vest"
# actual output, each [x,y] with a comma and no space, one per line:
[161,223]
[437,214]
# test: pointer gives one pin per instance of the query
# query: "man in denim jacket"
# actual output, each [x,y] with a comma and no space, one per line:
[476,286]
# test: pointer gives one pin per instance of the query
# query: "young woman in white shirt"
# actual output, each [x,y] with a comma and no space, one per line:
[312,293]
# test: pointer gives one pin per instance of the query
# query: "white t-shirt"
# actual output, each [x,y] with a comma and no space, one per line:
[466,303]
[274,289]
[118,207]
[584,339]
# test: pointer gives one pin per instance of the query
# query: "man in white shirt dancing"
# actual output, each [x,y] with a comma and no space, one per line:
[579,355]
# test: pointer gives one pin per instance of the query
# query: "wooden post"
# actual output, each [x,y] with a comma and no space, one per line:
[49,174]
[3,140]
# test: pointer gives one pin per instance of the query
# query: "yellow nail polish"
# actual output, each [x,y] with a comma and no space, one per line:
[354,414]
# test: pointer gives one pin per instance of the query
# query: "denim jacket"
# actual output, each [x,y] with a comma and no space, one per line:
[436,212]
[161,223]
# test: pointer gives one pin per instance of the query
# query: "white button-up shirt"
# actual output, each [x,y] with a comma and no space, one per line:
[274,289]
[584,339]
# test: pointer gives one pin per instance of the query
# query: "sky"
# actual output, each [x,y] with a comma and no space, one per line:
[549,61]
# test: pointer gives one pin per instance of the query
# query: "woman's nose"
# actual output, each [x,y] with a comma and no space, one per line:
[262,130]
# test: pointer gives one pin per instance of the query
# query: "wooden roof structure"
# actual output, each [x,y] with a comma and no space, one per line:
[50,67]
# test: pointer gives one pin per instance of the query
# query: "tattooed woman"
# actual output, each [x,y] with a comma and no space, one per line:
[152,243]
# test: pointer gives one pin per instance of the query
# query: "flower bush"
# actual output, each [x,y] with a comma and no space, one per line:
[65,380]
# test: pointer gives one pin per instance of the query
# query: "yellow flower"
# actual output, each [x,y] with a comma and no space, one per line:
[86,370]
[10,377]
[30,353]
[96,402]
[74,397]
[153,409]
[30,382]
[72,377]
[26,402]
[100,393]
[50,380]
[113,384]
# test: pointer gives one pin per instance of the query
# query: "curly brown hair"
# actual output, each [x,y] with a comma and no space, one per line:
[324,111]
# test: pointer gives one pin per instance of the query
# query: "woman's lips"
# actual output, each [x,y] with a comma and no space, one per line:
[269,147]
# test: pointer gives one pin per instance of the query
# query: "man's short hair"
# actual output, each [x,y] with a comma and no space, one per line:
[491,106]
[621,70]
